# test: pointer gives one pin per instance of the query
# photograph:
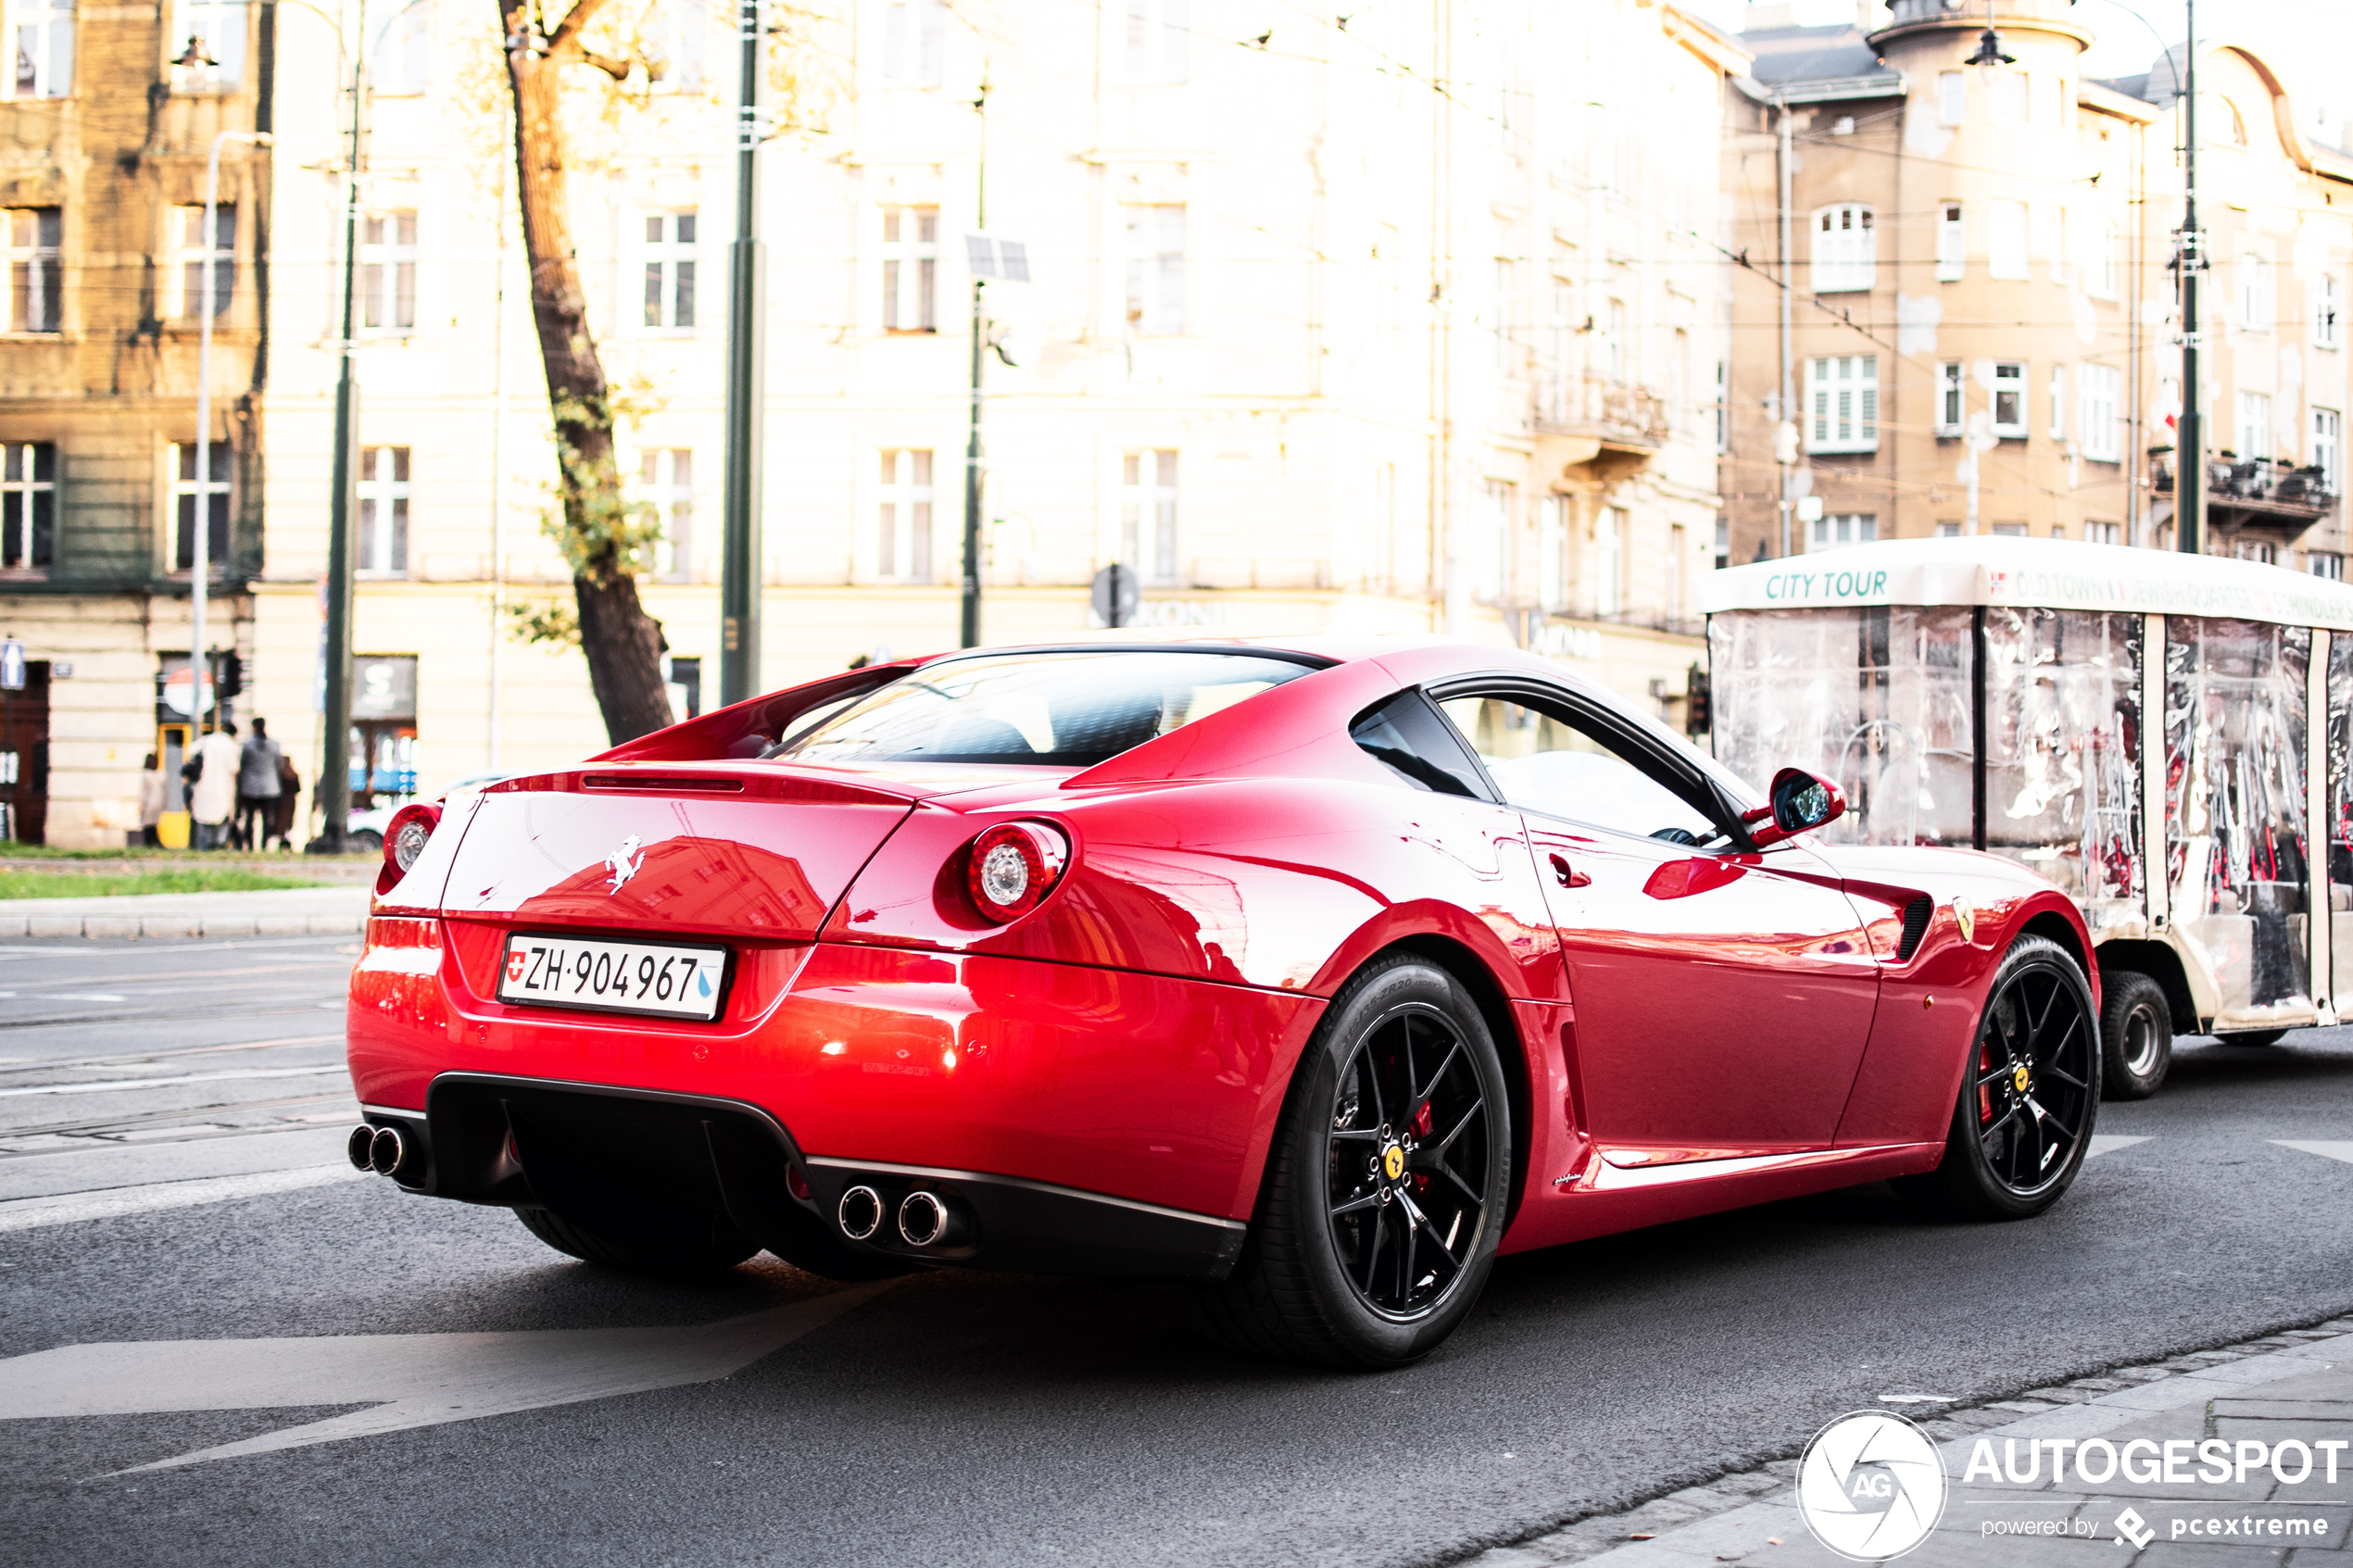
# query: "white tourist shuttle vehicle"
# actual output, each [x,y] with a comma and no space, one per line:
[1997,692]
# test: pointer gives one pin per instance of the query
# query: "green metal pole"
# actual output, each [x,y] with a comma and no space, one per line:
[740,488]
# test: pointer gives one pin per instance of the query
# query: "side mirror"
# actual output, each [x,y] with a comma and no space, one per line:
[1800,801]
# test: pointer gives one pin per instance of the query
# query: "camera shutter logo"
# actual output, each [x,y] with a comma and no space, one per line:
[1871,1486]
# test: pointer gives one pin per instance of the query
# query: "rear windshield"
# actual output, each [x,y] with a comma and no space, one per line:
[1050,710]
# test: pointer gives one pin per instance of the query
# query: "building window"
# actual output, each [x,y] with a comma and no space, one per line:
[44,35]
[1158,37]
[2103,533]
[2009,530]
[193,251]
[911,268]
[1490,571]
[1842,391]
[1844,528]
[218,28]
[1552,554]
[2011,97]
[2100,272]
[1148,513]
[1952,396]
[2261,550]
[672,40]
[1723,406]
[35,269]
[1948,531]
[1952,244]
[402,63]
[2255,425]
[2009,397]
[28,505]
[388,272]
[2325,331]
[2005,249]
[1723,542]
[912,36]
[902,531]
[1155,268]
[2255,294]
[1952,98]
[1609,562]
[666,483]
[1613,344]
[2101,437]
[383,510]
[2058,403]
[1844,252]
[670,270]
[211,496]
[2328,448]
[2325,563]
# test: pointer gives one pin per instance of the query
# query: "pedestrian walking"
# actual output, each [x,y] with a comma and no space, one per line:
[257,787]
[282,818]
[151,799]
[213,797]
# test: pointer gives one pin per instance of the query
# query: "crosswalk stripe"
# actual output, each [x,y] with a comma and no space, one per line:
[2325,1148]
[2108,1143]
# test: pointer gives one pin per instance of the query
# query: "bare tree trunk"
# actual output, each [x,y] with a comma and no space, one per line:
[621,642]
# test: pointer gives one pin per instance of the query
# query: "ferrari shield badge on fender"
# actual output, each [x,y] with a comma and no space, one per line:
[1963,916]
[623,863]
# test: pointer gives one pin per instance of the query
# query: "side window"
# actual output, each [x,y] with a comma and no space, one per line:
[1409,739]
[1555,765]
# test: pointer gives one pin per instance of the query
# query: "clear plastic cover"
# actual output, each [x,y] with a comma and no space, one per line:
[2062,753]
[2234,728]
[1875,699]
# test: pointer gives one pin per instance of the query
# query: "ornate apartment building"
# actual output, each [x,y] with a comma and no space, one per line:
[107,121]
[1979,273]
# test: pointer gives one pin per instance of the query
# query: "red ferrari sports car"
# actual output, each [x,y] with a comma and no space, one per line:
[1318,973]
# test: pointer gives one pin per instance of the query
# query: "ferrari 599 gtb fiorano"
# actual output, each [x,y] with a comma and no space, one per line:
[1318,974]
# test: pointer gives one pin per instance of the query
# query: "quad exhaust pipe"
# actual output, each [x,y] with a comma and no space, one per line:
[923,1219]
[381,1150]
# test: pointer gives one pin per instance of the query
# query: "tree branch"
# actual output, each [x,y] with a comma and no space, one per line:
[617,69]
[566,38]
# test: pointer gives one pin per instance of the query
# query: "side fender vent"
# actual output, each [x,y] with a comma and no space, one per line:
[1915,916]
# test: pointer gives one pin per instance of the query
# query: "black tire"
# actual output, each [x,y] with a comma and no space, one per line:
[2009,1155]
[2136,1036]
[367,839]
[677,1255]
[2254,1037]
[1315,1282]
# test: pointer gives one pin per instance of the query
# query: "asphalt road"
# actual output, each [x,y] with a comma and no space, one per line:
[950,1419]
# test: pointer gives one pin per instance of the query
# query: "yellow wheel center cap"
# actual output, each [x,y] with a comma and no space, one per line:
[1393,1161]
[2021,1078]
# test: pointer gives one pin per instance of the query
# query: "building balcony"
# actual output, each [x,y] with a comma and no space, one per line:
[1589,416]
[2258,493]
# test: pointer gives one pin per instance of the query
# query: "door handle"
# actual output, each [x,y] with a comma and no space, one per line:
[1569,875]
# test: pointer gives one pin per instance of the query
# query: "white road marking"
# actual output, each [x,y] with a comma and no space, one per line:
[28,1213]
[60,996]
[2325,1148]
[410,1380]
[105,1084]
[2108,1143]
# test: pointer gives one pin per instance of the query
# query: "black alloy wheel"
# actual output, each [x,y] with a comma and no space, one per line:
[1406,1189]
[1386,1182]
[2031,1097]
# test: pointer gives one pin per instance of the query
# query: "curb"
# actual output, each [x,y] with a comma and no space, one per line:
[181,925]
[1648,1531]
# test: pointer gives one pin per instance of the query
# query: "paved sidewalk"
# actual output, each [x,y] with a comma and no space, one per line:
[293,911]
[2293,1390]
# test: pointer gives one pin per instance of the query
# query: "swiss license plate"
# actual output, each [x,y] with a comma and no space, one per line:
[659,978]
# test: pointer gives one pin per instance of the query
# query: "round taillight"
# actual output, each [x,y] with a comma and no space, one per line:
[406,834]
[1013,867]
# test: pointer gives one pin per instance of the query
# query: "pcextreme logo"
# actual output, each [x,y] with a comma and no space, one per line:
[1871,1486]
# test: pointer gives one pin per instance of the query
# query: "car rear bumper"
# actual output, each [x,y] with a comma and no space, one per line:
[1079,1120]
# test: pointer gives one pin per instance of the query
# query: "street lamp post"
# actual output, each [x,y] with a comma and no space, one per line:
[200,559]
[2189,462]
[334,791]
[969,620]
[740,517]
